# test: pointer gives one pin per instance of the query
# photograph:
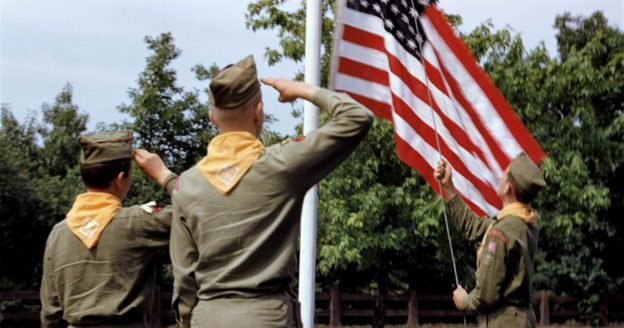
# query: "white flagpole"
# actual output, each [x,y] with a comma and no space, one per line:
[307,252]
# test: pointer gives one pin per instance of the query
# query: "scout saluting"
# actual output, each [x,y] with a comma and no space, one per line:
[97,268]
[503,293]
[236,213]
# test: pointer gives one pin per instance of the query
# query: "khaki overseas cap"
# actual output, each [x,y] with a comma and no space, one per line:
[235,84]
[104,147]
[527,175]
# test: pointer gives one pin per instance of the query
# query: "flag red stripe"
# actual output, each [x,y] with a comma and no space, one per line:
[428,134]
[363,38]
[378,108]
[363,71]
[411,157]
[515,126]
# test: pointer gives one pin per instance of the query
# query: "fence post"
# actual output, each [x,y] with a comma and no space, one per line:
[334,308]
[156,308]
[605,310]
[544,309]
[412,310]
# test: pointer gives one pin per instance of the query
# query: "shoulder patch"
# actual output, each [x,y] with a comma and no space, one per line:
[488,259]
[498,234]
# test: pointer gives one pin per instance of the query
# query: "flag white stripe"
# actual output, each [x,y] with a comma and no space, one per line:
[365,55]
[365,88]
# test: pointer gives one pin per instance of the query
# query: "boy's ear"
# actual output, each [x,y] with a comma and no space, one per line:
[212,118]
[119,180]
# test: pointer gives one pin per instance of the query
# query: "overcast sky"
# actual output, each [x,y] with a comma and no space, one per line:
[98,47]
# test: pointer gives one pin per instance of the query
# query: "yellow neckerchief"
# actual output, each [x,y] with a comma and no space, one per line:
[230,156]
[90,214]
[521,210]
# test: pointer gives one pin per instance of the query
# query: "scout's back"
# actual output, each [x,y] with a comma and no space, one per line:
[243,243]
[246,240]
[111,283]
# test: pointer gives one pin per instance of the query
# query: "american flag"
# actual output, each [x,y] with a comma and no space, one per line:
[401,59]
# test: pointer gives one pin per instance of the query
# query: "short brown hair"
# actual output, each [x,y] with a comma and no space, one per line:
[101,175]
[233,115]
[524,196]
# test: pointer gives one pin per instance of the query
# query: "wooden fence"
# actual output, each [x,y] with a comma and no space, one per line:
[336,309]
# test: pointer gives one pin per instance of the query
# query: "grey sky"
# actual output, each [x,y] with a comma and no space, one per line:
[97,46]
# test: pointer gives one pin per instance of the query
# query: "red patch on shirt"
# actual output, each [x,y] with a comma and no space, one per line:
[298,139]
[497,234]
[156,209]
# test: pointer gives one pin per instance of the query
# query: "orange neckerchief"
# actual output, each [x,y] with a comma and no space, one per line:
[521,210]
[230,156]
[90,214]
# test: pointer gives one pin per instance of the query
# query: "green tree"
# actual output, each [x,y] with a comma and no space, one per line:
[165,118]
[63,123]
[38,183]
[21,231]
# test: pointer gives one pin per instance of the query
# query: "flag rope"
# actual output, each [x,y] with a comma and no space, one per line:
[437,137]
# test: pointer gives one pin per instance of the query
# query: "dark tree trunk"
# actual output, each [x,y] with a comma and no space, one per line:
[379,320]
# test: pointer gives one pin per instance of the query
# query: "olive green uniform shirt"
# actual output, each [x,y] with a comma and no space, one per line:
[243,245]
[503,292]
[111,284]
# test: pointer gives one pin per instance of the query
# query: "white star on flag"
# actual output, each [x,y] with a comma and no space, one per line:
[394,9]
[389,24]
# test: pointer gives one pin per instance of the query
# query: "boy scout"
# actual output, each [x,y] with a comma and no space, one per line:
[503,293]
[236,213]
[98,268]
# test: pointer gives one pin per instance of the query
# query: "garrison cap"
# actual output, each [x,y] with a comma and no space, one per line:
[527,175]
[235,84]
[104,147]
